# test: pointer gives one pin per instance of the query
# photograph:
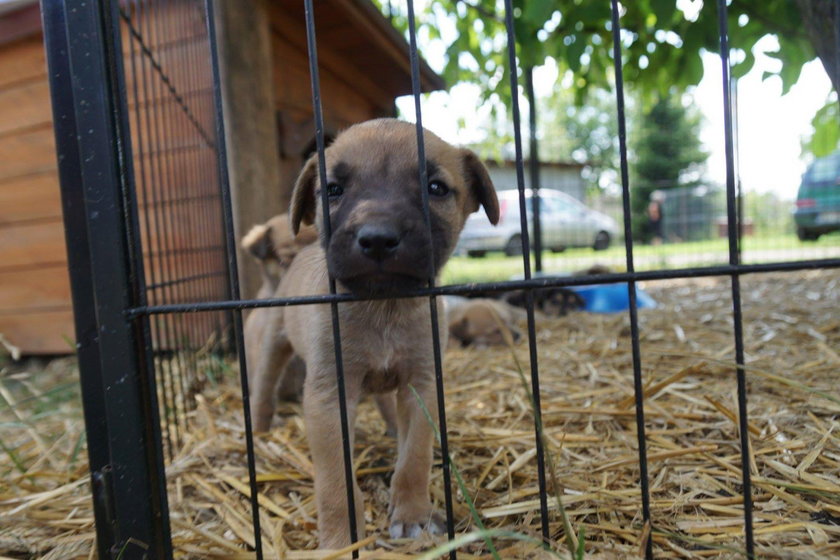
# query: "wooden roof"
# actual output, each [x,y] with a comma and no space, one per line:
[18,19]
[369,42]
[356,27]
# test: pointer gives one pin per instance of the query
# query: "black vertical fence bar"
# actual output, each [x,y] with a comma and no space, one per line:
[157,158]
[736,165]
[837,38]
[534,166]
[197,327]
[184,199]
[155,250]
[190,82]
[196,176]
[734,260]
[433,310]
[79,264]
[177,228]
[194,85]
[179,191]
[526,263]
[83,52]
[141,152]
[233,270]
[202,176]
[137,274]
[163,158]
[638,387]
[312,50]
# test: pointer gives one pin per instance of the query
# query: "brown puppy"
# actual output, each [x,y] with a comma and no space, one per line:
[481,322]
[380,245]
[275,245]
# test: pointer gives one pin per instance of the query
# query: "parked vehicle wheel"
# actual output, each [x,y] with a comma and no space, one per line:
[513,247]
[476,254]
[602,241]
[806,234]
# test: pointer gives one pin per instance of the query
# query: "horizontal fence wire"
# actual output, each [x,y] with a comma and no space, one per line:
[495,287]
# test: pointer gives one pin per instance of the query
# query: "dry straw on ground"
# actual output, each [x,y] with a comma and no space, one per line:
[792,334]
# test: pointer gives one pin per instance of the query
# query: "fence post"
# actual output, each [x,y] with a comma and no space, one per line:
[94,161]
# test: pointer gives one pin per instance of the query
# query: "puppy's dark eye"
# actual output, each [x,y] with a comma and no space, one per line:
[438,188]
[334,190]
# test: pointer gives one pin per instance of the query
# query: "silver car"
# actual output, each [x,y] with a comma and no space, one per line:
[565,222]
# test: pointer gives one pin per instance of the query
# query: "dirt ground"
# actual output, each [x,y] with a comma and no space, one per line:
[792,345]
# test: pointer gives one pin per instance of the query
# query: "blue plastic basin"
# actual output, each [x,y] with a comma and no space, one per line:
[610,298]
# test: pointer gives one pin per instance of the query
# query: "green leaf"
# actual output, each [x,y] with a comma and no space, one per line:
[594,13]
[663,10]
[742,68]
[790,75]
[581,548]
[537,12]
[826,136]
[693,69]
[574,52]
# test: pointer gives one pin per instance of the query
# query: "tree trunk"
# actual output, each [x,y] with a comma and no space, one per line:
[821,19]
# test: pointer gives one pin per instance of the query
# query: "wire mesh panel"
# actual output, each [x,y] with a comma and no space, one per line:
[155,209]
[170,100]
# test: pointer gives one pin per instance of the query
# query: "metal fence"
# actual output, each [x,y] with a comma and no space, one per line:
[141,164]
[153,265]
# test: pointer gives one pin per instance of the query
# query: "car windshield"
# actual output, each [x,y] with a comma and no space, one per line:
[550,202]
[562,204]
[825,169]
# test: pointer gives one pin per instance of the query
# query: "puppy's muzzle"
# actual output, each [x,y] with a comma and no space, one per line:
[378,241]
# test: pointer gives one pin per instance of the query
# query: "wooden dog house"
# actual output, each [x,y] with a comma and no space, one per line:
[363,64]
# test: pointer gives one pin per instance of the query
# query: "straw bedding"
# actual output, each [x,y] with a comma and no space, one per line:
[792,335]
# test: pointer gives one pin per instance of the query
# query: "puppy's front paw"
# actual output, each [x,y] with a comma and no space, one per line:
[433,523]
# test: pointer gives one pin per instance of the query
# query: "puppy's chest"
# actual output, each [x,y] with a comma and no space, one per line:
[389,360]
[390,351]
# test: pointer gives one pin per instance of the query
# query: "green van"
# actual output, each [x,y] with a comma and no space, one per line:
[818,202]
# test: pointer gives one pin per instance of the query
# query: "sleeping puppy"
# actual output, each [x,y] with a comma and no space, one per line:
[481,322]
[380,246]
[274,245]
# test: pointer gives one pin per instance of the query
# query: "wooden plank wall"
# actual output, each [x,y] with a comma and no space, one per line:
[35,309]
[175,170]
[348,95]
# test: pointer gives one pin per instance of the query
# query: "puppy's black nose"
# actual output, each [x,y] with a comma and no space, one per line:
[378,241]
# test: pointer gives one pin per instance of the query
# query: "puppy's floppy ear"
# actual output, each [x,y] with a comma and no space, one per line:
[258,242]
[481,185]
[303,196]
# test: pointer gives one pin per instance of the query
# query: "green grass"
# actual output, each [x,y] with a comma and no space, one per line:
[496,266]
